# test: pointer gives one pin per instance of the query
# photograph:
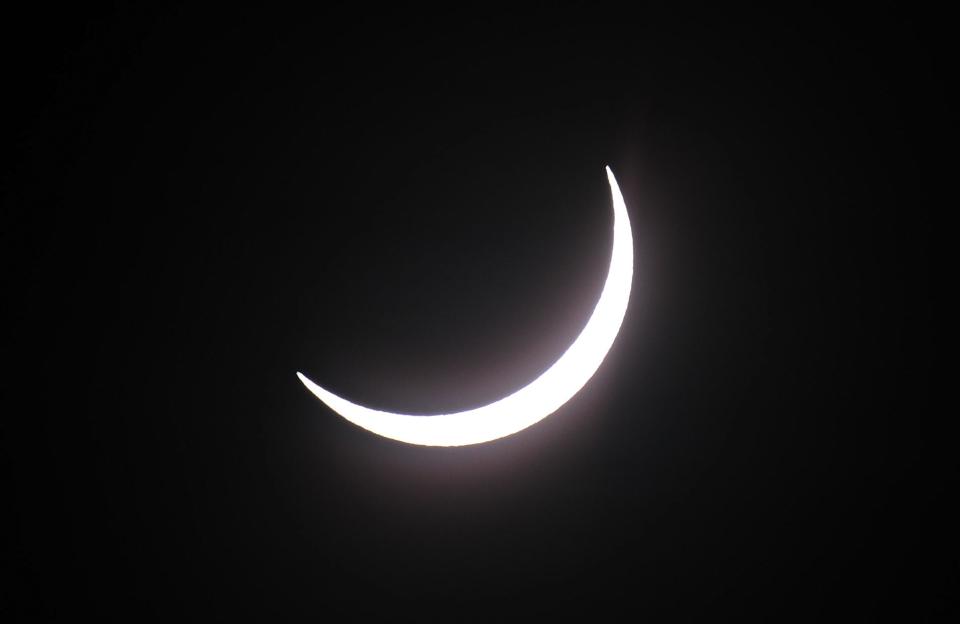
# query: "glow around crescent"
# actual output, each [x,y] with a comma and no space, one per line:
[542,396]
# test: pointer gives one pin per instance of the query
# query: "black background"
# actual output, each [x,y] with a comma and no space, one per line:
[410,207]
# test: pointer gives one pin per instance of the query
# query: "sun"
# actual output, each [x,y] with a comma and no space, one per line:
[541,397]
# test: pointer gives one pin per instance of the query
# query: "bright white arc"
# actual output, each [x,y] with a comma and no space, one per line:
[534,402]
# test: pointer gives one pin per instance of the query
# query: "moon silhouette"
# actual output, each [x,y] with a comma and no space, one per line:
[535,401]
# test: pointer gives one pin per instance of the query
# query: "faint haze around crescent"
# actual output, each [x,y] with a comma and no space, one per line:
[535,401]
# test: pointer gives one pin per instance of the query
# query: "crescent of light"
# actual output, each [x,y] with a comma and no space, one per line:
[542,396]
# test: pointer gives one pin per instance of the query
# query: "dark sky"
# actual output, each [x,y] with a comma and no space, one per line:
[411,208]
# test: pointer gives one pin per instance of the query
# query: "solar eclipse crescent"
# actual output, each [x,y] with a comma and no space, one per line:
[535,401]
